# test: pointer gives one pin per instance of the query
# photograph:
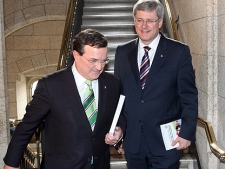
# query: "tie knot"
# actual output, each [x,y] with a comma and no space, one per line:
[88,82]
[147,48]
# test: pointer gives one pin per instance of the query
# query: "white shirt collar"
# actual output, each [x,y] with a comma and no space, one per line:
[153,45]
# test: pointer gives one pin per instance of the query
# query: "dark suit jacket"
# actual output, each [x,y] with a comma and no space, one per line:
[169,94]
[69,140]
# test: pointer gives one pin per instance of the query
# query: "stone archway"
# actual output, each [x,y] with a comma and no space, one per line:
[31,51]
[33,35]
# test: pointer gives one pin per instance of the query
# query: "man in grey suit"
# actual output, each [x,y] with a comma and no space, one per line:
[159,84]
[72,140]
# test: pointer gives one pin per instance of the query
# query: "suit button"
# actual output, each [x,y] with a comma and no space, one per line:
[142,101]
[93,138]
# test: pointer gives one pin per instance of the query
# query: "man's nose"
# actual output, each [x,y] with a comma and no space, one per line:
[145,24]
[99,66]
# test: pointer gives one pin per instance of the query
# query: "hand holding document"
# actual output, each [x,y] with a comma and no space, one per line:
[117,114]
[170,132]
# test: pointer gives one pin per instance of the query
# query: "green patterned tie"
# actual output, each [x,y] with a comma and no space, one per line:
[90,105]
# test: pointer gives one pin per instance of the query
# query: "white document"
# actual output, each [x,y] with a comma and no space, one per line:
[170,132]
[117,114]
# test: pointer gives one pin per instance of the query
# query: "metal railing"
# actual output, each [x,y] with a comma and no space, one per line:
[214,147]
[72,27]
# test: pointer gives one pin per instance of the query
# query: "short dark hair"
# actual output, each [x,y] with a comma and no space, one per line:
[89,37]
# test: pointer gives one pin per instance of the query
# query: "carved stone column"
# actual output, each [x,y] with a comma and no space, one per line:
[4,127]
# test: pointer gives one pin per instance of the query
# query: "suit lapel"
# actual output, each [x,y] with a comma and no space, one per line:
[158,60]
[102,100]
[73,98]
[132,57]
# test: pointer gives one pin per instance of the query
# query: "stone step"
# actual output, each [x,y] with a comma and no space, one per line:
[186,162]
[106,20]
[115,40]
[106,1]
[110,3]
[126,10]
[118,161]
[106,30]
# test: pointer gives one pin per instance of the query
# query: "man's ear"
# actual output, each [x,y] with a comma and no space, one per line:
[75,54]
[160,23]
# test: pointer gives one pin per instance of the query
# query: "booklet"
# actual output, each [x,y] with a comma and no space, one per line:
[170,132]
[117,114]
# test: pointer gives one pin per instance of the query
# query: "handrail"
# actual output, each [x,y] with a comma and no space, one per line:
[214,147]
[216,150]
[173,24]
[72,27]
[66,36]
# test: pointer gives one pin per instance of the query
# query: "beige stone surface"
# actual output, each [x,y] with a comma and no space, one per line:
[34,12]
[59,1]
[12,69]
[198,13]
[55,42]
[25,64]
[38,61]
[221,75]
[56,9]
[28,30]
[185,10]
[14,56]
[12,110]
[13,19]
[31,42]
[200,66]
[12,96]
[221,39]
[52,56]
[221,5]
[198,36]
[9,43]
[49,28]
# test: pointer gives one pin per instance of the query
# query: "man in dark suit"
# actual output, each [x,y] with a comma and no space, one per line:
[158,89]
[71,141]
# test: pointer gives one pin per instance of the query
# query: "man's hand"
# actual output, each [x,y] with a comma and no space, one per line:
[121,150]
[8,167]
[111,140]
[183,143]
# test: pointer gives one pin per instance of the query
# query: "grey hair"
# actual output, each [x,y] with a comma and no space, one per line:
[149,5]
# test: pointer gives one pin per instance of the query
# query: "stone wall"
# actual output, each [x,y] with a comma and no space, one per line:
[200,26]
[33,31]
[32,51]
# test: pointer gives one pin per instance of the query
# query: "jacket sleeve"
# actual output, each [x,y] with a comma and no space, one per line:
[36,111]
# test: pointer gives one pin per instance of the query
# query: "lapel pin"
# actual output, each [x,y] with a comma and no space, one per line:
[105,87]
[161,56]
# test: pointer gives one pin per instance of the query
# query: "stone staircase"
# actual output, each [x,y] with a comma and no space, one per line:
[114,19]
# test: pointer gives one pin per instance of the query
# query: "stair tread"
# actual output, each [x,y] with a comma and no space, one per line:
[108,16]
[110,26]
[108,8]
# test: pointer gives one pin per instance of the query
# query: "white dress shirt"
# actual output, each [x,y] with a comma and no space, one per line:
[151,53]
[82,86]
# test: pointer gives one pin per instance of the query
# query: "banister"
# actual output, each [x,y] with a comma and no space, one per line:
[214,147]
